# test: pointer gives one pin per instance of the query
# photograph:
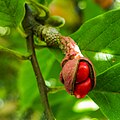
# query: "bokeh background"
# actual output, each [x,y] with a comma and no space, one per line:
[19,96]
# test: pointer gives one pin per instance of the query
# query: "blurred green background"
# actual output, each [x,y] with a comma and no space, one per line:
[19,96]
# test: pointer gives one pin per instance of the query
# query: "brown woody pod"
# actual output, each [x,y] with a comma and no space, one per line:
[69,72]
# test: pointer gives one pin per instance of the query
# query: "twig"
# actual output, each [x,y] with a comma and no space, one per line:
[40,46]
[55,89]
[28,25]
[14,53]
[40,80]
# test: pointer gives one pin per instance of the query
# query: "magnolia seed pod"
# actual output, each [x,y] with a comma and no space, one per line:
[68,77]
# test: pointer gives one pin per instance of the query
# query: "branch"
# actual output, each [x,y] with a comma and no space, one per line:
[40,46]
[55,89]
[40,80]
[14,53]
[28,25]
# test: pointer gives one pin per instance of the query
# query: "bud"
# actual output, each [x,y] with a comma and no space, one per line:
[51,36]
[55,21]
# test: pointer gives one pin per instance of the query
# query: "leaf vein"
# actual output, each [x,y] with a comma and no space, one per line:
[107,92]
[100,52]
[106,28]
[112,41]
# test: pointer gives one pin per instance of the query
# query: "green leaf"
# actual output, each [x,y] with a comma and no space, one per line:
[4,31]
[91,10]
[27,85]
[11,12]
[107,92]
[45,1]
[99,40]
[57,53]
[27,82]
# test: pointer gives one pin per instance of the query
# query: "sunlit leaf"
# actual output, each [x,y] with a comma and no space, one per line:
[4,31]
[99,40]
[107,92]
[11,12]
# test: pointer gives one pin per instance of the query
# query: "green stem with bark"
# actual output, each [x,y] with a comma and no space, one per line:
[28,24]
[40,81]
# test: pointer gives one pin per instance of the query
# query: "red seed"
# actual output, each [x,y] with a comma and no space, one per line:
[82,72]
[82,89]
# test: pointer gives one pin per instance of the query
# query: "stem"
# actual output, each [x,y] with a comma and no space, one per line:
[40,81]
[40,46]
[14,53]
[56,89]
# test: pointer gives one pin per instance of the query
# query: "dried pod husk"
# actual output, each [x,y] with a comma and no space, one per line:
[69,72]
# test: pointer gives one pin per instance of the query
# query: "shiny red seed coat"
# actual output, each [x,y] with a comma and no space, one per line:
[83,82]
[75,75]
[82,72]
[82,89]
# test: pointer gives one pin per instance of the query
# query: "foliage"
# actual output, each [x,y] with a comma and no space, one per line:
[11,12]
[100,45]
[98,39]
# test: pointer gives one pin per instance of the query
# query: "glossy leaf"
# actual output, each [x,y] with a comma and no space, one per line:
[45,1]
[99,39]
[57,53]
[91,9]
[107,92]
[11,12]
[27,82]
